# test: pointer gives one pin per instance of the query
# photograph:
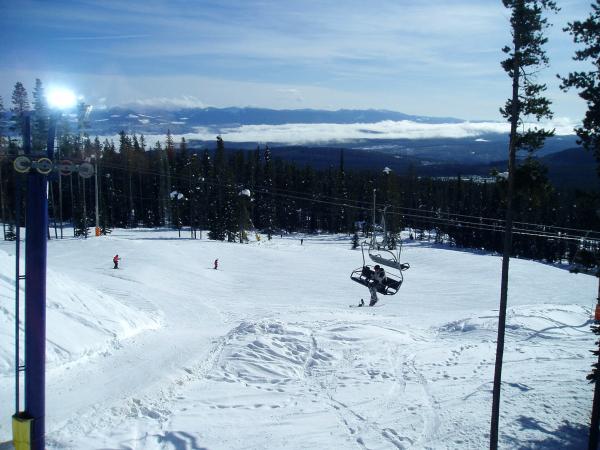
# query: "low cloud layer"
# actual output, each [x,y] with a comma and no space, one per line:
[327,132]
[323,133]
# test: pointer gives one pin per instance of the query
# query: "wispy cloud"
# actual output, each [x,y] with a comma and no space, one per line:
[102,38]
[185,101]
[439,57]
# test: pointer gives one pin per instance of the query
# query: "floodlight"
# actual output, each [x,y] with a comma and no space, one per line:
[61,98]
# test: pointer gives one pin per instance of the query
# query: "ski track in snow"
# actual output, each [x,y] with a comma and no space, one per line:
[167,353]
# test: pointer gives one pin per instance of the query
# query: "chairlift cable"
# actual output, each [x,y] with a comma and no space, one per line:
[496,224]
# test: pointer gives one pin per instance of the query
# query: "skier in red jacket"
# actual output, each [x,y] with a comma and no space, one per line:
[116,261]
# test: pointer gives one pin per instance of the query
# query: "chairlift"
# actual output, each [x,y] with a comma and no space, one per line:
[364,274]
[380,255]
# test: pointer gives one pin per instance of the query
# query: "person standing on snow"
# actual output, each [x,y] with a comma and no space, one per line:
[377,280]
[216,264]
[116,261]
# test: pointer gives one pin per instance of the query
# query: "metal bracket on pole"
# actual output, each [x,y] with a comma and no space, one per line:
[44,166]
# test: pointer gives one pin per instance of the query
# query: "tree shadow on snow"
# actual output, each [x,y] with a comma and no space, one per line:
[178,440]
[567,436]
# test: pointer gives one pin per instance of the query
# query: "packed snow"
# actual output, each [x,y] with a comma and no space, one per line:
[265,352]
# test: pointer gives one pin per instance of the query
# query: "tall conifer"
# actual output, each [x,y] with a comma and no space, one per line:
[587,33]
[39,132]
[3,138]
[20,105]
[525,56]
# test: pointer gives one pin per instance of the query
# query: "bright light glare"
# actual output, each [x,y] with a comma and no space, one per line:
[61,98]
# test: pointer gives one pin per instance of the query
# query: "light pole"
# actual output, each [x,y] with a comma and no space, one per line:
[96,161]
[244,193]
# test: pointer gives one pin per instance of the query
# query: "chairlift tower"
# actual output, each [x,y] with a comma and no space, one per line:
[29,422]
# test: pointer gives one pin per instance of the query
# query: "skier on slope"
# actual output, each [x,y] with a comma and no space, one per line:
[116,261]
[216,264]
[377,279]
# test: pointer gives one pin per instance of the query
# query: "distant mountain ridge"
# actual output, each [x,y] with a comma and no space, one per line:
[265,116]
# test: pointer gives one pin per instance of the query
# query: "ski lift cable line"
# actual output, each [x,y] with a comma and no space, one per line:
[368,204]
[448,213]
[402,208]
[549,229]
[315,199]
[452,223]
[436,220]
[497,223]
[499,228]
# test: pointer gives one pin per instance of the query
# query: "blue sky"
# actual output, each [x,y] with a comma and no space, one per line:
[435,57]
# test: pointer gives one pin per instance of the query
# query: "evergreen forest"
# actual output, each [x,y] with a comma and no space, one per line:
[239,195]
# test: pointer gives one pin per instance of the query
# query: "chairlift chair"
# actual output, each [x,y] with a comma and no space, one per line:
[392,283]
[378,252]
[390,286]
[388,259]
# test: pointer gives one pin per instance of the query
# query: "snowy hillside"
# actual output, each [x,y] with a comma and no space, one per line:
[264,353]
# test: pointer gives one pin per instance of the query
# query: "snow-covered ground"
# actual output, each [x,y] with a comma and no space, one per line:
[264,353]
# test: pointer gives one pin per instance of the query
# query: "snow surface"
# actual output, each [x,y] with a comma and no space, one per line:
[264,353]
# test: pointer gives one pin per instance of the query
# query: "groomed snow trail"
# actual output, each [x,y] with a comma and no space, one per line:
[264,353]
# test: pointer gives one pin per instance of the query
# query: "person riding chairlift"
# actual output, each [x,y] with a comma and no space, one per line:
[377,280]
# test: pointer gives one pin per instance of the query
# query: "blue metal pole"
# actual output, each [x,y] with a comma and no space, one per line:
[35,297]
[18,186]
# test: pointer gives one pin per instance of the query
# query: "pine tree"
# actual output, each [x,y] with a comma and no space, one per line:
[3,137]
[206,191]
[525,55]
[195,193]
[39,131]
[164,199]
[126,148]
[216,204]
[80,203]
[587,32]
[81,228]
[168,161]
[267,213]
[355,241]
[344,219]
[222,209]
[20,106]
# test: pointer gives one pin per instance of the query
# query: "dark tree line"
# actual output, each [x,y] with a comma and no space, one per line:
[229,192]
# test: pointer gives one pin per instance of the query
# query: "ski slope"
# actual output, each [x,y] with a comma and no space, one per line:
[264,353]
